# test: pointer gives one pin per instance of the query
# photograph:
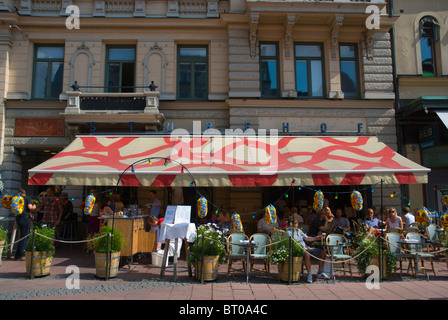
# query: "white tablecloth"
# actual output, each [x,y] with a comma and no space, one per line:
[177,230]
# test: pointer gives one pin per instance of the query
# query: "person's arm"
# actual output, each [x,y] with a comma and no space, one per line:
[325,226]
[60,214]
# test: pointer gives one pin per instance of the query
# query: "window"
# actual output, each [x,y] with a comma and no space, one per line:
[429,34]
[269,70]
[48,72]
[309,70]
[348,56]
[192,73]
[120,69]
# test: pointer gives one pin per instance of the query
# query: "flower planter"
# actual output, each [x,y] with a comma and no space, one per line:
[41,263]
[211,265]
[446,258]
[100,264]
[296,268]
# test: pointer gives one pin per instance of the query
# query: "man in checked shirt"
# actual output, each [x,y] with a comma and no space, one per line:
[52,208]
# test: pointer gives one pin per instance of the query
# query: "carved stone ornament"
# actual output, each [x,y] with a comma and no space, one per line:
[335,28]
[369,44]
[253,33]
[290,21]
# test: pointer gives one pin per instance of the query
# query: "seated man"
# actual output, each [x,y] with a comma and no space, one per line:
[372,223]
[264,227]
[301,237]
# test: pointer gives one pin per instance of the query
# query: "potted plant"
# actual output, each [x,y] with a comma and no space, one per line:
[445,245]
[280,254]
[209,244]
[40,256]
[366,252]
[107,241]
[3,242]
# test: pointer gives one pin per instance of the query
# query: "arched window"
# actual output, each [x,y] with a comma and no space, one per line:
[429,35]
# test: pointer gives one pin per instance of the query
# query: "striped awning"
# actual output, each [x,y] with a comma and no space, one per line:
[226,161]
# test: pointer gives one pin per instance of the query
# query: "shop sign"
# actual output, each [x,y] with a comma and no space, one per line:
[39,127]
[428,136]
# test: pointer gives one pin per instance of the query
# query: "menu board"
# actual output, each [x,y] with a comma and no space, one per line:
[177,214]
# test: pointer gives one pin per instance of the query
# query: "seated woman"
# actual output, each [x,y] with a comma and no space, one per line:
[394,221]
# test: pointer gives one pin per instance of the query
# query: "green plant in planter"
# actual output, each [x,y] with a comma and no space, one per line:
[116,241]
[44,243]
[281,248]
[3,237]
[366,247]
[213,244]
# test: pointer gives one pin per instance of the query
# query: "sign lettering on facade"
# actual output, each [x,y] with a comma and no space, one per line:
[39,128]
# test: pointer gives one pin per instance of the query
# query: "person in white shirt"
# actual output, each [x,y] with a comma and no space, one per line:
[408,216]
[264,227]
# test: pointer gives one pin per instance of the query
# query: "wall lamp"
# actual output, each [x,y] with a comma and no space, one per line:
[14,26]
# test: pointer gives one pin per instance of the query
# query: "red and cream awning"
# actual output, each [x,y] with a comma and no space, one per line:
[227,161]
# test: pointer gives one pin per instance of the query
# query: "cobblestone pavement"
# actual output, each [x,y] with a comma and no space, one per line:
[142,281]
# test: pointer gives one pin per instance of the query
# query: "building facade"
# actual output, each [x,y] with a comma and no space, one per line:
[421,40]
[301,67]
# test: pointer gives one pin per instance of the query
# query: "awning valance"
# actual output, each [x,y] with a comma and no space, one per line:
[227,161]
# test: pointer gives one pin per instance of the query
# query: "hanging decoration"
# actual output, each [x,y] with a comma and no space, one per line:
[90,202]
[445,200]
[202,207]
[2,187]
[17,204]
[444,222]
[42,195]
[423,217]
[356,199]
[318,200]
[6,201]
[270,215]
[236,222]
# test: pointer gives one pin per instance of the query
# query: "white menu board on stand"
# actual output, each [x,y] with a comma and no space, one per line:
[177,214]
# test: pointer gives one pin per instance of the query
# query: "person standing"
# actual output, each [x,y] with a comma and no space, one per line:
[408,217]
[154,204]
[24,224]
[52,209]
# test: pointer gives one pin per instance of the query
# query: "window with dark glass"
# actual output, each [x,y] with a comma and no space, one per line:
[429,34]
[192,73]
[48,71]
[269,70]
[348,56]
[309,70]
[120,69]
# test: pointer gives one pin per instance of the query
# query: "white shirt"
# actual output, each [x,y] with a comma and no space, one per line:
[262,224]
[410,218]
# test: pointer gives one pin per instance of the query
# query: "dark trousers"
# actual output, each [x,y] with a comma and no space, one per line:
[23,225]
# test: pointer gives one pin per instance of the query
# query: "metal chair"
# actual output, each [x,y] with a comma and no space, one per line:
[338,252]
[395,230]
[434,236]
[261,251]
[235,251]
[394,247]
[414,248]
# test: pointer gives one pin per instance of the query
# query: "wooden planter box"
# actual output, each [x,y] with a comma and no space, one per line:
[211,265]
[41,263]
[100,264]
[296,268]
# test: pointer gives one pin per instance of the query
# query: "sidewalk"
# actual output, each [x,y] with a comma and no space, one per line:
[141,281]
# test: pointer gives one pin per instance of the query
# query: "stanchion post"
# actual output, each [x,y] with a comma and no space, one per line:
[33,235]
[202,260]
[290,261]
[380,245]
[108,257]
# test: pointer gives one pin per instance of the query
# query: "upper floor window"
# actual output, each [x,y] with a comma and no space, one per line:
[192,72]
[348,56]
[120,69]
[309,70]
[429,35]
[48,71]
[269,70]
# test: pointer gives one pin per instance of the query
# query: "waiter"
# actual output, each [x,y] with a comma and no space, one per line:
[154,205]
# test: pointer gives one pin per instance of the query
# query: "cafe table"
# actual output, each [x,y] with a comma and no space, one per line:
[415,251]
[248,246]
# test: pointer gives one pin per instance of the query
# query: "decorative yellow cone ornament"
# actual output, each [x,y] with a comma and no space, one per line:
[90,202]
[356,200]
[6,201]
[202,207]
[270,215]
[445,200]
[423,217]
[236,221]
[444,222]
[17,204]
[318,200]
